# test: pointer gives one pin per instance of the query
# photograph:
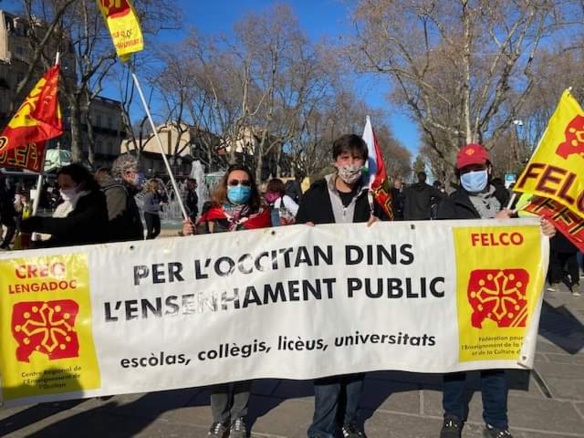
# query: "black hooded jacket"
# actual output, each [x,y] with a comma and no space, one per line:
[418,201]
[316,206]
[459,206]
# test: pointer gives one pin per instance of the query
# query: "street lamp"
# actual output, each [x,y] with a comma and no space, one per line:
[517,123]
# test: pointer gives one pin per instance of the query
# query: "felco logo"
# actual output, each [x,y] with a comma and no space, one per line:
[499,295]
[574,143]
[47,327]
[111,7]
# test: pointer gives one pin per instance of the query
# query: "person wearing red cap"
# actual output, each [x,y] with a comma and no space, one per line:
[477,198]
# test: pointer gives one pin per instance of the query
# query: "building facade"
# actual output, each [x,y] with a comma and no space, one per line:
[16,55]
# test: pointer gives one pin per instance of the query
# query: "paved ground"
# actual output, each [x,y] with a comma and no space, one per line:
[548,402]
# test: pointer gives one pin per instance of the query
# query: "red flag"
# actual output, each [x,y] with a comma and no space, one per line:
[379,189]
[565,220]
[23,141]
[261,219]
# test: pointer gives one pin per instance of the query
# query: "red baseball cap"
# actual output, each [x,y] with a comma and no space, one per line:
[471,154]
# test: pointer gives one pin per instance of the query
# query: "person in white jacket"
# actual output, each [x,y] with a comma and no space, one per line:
[283,207]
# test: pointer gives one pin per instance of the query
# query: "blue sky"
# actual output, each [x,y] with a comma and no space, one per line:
[318,18]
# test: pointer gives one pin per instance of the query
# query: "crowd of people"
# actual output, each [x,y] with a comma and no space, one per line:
[102,208]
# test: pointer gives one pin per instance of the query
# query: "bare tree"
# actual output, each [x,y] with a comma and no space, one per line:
[83,33]
[462,68]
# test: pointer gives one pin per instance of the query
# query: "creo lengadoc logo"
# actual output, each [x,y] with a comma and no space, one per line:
[574,143]
[499,295]
[47,327]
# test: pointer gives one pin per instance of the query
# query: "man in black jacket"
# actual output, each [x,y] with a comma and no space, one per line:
[339,198]
[476,198]
[419,198]
[192,199]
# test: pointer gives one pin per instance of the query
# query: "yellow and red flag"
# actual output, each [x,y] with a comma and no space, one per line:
[379,190]
[23,141]
[123,26]
[555,172]
[565,220]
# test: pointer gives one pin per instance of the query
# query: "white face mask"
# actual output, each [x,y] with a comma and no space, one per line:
[68,194]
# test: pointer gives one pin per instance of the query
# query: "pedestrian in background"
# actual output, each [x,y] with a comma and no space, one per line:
[120,188]
[192,199]
[419,198]
[7,214]
[152,208]
[282,207]
[564,259]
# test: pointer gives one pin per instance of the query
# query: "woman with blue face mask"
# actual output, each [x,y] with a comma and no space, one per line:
[235,205]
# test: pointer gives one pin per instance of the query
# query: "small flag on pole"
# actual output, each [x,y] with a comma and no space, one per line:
[123,26]
[23,141]
[379,190]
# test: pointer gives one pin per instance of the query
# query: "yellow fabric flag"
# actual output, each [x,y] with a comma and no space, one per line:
[556,169]
[123,26]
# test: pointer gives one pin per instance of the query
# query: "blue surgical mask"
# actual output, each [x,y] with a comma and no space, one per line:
[238,194]
[475,182]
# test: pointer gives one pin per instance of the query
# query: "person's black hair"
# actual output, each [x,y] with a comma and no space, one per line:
[80,175]
[351,143]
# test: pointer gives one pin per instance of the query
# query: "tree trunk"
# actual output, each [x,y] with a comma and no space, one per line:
[76,134]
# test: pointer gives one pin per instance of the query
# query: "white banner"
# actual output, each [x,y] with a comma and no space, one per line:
[293,302]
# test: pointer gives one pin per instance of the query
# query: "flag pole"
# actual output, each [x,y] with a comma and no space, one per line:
[39,185]
[37,198]
[166,163]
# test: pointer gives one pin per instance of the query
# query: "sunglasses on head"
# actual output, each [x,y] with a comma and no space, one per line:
[237,182]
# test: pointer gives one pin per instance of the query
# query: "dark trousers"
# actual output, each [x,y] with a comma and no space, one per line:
[494,392]
[152,225]
[336,400]
[230,401]
[564,260]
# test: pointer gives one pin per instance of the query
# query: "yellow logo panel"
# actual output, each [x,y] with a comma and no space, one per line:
[47,311]
[498,282]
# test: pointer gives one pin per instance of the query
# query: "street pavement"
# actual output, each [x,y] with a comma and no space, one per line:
[547,402]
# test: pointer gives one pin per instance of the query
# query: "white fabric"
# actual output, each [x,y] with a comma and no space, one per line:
[289,203]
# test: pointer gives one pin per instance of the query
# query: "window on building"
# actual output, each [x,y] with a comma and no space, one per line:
[98,120]
[110,122]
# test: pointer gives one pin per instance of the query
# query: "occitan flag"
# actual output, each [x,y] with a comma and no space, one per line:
[379,189]
[23,141]
[556,169]
[123,26]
